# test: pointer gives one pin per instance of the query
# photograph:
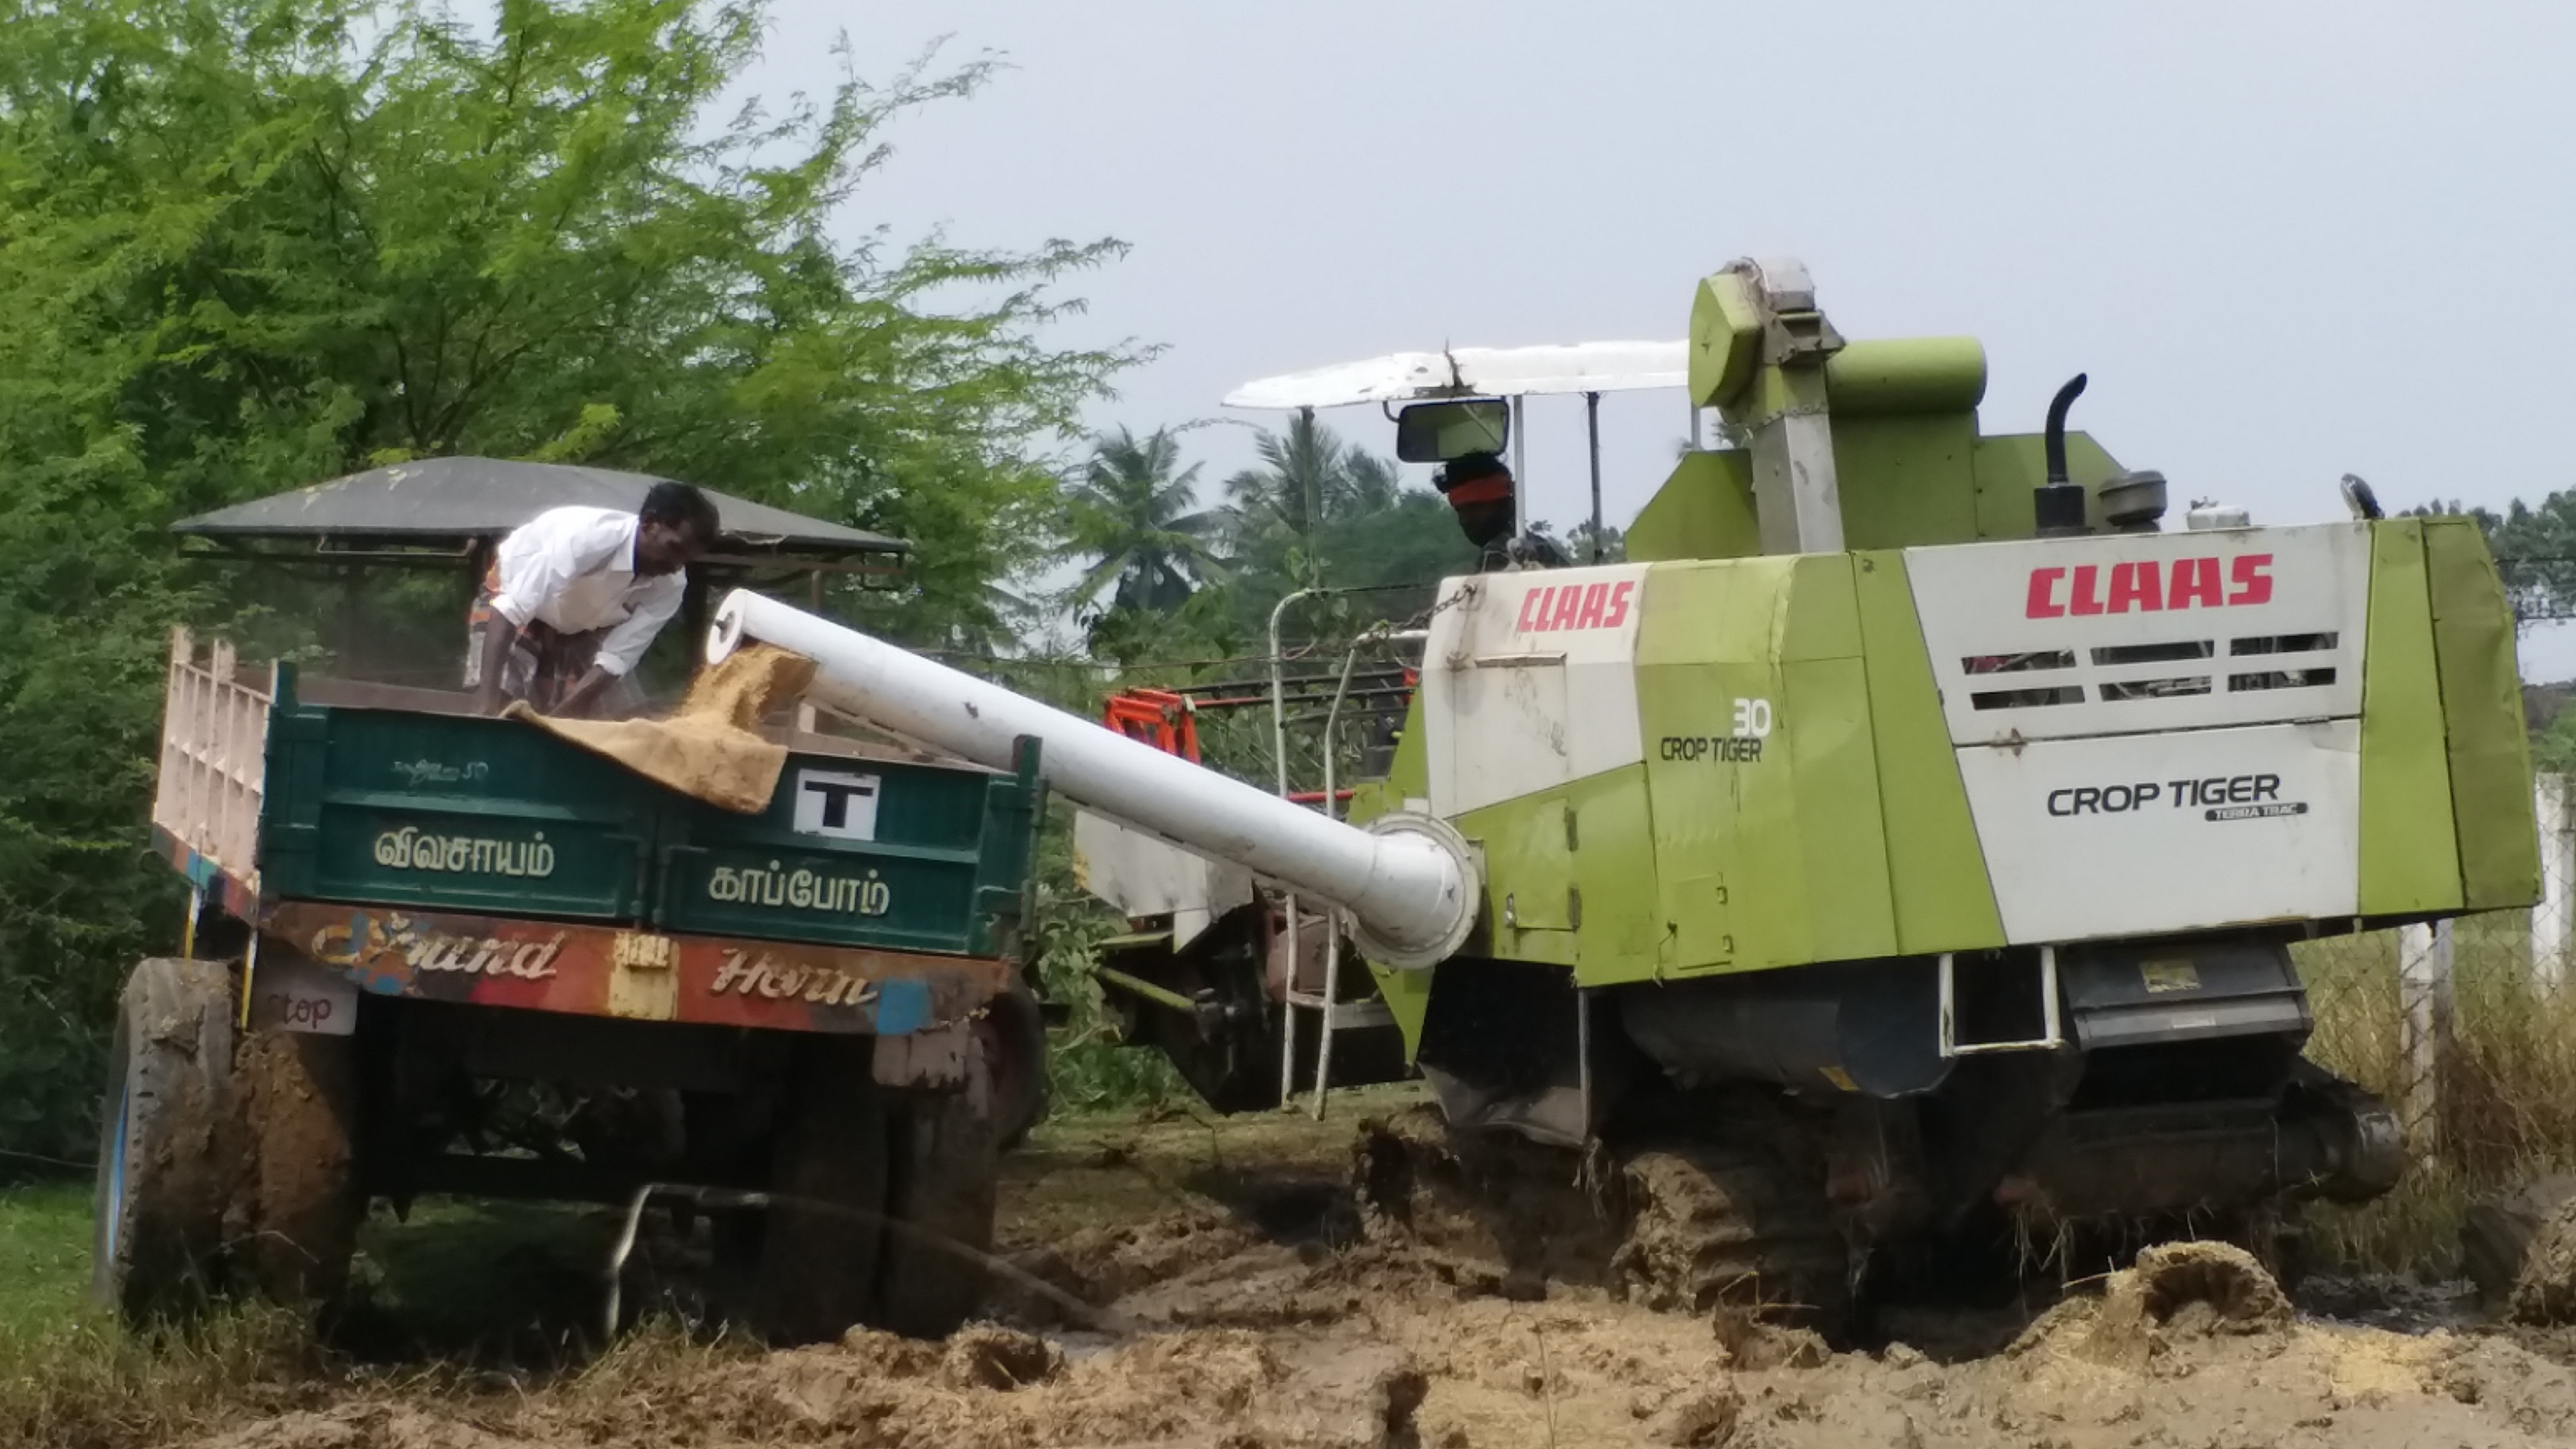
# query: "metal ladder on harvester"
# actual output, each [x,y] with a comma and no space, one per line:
[1333,1015]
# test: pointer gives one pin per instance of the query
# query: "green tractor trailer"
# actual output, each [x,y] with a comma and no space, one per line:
[439,954]
[1901,848]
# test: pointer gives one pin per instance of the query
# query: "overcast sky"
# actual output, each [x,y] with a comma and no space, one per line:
[2287,241]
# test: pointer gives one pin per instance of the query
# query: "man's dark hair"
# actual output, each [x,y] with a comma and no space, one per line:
[682,506]
[1467,468]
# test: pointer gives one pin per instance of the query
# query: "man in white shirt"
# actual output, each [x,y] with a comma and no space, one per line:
[575,595]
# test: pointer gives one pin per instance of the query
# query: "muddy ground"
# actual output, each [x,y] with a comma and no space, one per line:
[1236,1303]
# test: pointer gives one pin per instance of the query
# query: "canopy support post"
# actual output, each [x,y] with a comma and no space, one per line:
[1520,470]
[1313,502]
[1592,429]
[353,599]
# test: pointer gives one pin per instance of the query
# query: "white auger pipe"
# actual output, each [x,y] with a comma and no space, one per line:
[1409,882]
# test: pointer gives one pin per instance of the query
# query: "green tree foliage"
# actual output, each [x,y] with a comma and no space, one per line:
[1579,543]
[1401,550]
[1136,514]
[1304,476]
[1318,512]
[1148,644]
[1085,1060]
[1200,584]
[2535,547]
[2553,746]
[252,244]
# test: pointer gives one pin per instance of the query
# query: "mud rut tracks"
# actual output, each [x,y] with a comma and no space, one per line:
[1255,1311]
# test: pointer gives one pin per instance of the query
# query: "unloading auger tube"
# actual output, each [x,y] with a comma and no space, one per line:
[1408,883]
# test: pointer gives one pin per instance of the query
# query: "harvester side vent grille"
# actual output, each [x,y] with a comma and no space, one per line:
[2282,679]
[2129,656]
[2019,663]
[2156,688]
[2283,644]
[2154,653]
[2027,698]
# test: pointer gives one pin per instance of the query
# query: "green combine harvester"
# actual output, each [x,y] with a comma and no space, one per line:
[1899,852]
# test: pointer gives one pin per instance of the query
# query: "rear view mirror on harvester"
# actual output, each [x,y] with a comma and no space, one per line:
[1435,432]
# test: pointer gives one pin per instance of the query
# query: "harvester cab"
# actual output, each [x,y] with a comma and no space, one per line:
[1901,848]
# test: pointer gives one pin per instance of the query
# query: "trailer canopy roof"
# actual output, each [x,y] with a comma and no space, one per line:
[443,508]
[1579,367]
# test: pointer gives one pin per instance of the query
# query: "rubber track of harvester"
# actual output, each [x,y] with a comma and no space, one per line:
[1487,1207]
[1693,1228]
[1713,1227]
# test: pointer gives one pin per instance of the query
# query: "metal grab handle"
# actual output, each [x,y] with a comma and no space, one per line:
[2052,1036]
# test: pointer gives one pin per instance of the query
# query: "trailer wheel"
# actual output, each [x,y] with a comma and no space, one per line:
[300,1101]
[945,1159]
[169,1152]
[823,1240]
[1015,1048]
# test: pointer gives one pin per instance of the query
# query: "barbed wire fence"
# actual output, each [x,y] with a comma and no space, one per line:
[2466,1027]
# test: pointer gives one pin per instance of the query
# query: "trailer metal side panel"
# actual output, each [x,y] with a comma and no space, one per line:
[449,812]
[362,796]
[859,853]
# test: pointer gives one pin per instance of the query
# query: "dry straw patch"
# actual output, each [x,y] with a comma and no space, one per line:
[2506,1097]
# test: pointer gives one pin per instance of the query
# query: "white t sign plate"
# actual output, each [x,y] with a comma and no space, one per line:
[843,807]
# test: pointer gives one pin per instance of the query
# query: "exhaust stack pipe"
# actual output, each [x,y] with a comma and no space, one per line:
[1407,883]
[2058,507]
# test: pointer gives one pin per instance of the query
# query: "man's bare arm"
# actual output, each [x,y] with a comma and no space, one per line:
[498,636]
[594,682]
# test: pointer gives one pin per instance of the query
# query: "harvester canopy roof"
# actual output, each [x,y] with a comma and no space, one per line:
[444,507]
[1403,377]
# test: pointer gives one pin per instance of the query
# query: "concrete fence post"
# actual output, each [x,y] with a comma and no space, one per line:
[2550,919]
[2424,994]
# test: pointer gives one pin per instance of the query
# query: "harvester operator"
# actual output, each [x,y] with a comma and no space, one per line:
[573,598]
[1479,490]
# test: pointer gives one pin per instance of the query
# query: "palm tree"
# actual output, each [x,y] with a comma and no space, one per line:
[1579,543]
[1302,481]
[1370,485]
[1134,511]
[1320,512]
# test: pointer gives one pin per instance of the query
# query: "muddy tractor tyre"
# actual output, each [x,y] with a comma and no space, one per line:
[170,1150]
[824,1238]
[945,1160]
[300,1103]
[1015,1049]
